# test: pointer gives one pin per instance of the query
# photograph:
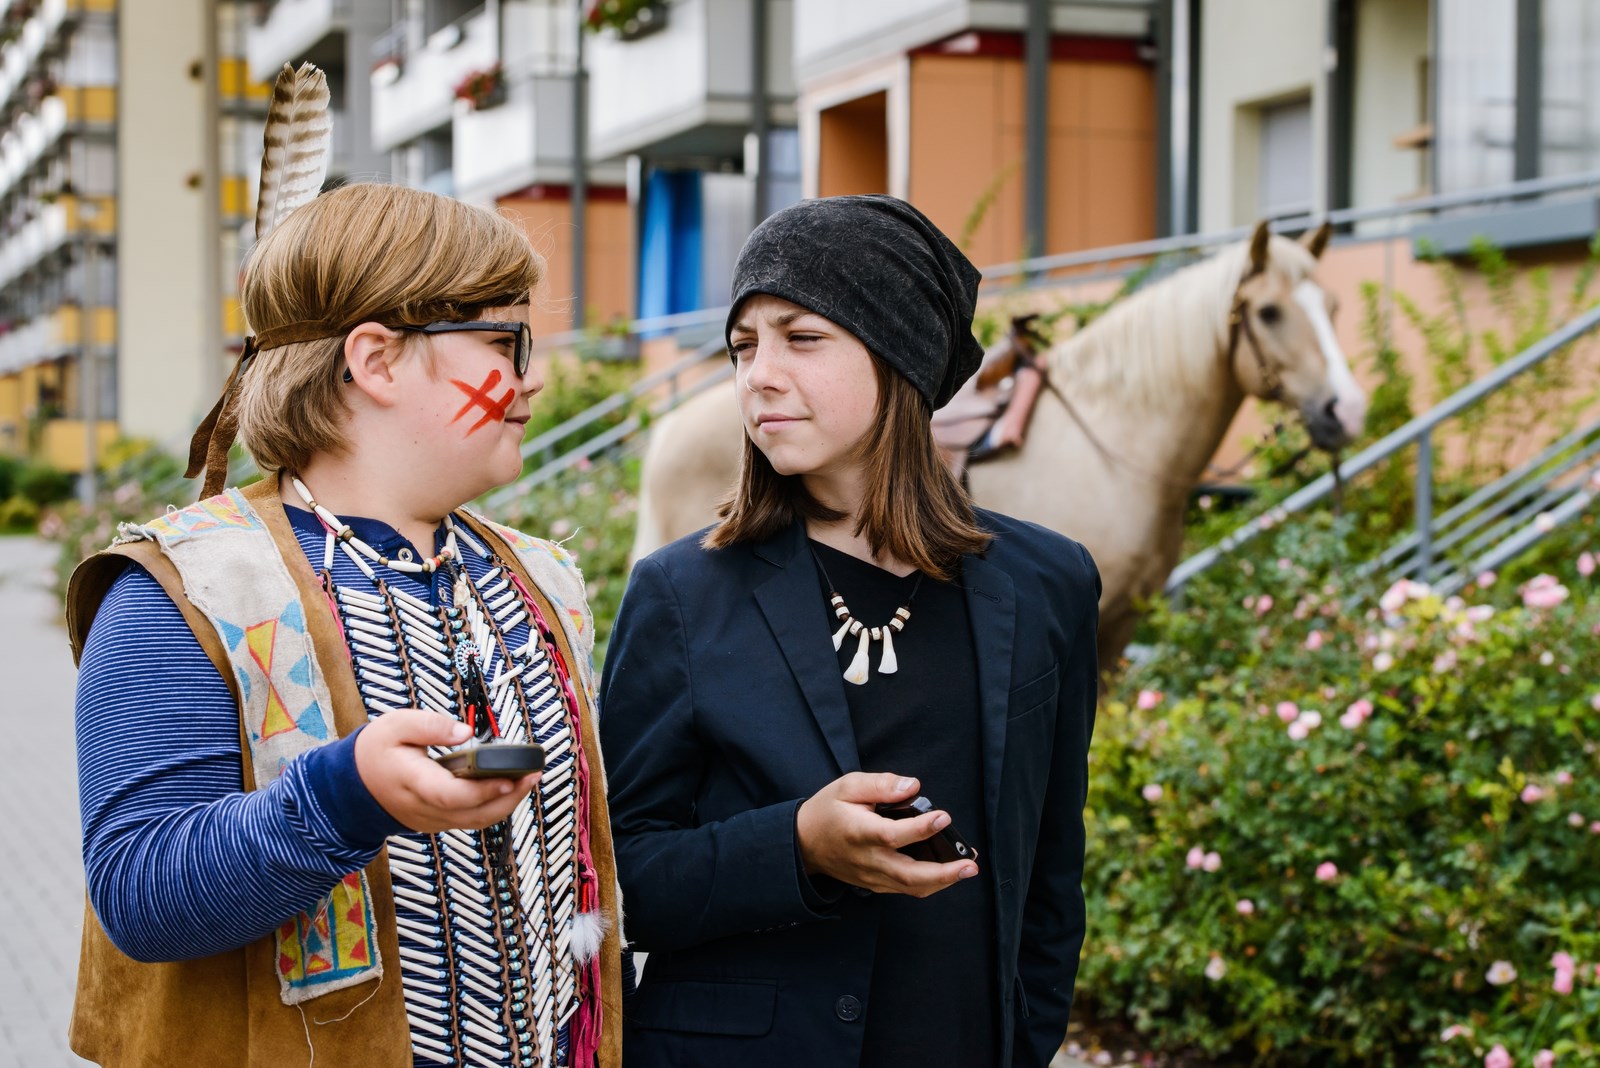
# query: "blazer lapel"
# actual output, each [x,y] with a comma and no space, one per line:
[793,603]
[992,609]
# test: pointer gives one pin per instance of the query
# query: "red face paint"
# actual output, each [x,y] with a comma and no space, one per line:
[494,411]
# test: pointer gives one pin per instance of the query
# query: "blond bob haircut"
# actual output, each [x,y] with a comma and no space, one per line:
[912,509]
[362,253]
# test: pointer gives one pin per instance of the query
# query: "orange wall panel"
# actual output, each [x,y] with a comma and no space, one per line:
[968,116]
[609,264]
[853,153]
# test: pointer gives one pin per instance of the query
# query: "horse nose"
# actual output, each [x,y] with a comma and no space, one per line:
[1327,430]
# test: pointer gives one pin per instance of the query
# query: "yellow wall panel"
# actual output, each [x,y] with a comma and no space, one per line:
[90,103]
[62,443]
[235,196]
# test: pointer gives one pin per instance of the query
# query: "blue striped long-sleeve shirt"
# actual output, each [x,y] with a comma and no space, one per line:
[180,862]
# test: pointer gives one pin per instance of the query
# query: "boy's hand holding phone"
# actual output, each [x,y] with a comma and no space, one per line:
[392,759]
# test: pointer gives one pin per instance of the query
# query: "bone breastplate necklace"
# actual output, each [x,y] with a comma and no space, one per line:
[857,672]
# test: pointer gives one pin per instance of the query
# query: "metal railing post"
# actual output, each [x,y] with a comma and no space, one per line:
[1424,504]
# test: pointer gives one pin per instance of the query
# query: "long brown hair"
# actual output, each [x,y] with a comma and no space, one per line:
[912,509]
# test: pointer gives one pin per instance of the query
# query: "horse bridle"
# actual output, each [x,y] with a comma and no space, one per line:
[1239,326]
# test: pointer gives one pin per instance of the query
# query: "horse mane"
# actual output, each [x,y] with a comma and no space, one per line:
[1166,339]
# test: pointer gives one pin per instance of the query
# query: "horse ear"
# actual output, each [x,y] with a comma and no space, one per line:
[1258,247]
[1317,240]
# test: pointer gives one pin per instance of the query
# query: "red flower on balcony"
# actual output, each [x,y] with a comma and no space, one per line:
[483,88]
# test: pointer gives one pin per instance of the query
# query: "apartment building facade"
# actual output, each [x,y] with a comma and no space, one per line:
[58,224]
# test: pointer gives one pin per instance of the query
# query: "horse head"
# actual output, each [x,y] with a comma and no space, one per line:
[1281,341]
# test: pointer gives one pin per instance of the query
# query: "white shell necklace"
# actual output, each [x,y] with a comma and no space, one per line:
[355,548]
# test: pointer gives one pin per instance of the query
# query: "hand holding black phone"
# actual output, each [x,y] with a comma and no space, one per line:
[942,848]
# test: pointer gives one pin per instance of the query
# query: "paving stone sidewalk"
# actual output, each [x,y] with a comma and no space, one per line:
[41,868]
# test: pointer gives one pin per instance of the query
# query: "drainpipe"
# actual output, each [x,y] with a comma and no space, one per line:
[580,175]
[760,118]
[1037,58]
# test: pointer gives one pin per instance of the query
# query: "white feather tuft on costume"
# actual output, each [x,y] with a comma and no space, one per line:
[588,932]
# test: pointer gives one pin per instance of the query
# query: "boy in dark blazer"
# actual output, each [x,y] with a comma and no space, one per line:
[751,766]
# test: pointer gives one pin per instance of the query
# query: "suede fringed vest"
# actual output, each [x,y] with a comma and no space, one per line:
[244,1008]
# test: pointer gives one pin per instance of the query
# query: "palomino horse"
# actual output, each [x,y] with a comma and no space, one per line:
[1147,393]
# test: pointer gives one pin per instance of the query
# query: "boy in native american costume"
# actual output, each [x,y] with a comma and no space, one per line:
[278,871]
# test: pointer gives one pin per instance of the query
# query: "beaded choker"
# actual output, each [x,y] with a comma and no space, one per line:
[857,672]
[348,540]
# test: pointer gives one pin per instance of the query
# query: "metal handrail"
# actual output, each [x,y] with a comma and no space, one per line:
[1341,217]
[666,375]
[1418,431]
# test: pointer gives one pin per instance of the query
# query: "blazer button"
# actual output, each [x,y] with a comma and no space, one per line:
[847,1009]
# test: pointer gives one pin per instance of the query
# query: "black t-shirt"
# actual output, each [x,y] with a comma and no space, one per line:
[932,999]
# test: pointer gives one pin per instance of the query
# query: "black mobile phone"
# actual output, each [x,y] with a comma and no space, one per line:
[943,847]
[493,760]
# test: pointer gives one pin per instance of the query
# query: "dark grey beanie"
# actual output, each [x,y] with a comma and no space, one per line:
[877,267]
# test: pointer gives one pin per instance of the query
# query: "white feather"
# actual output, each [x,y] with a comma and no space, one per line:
[588,932]
[295,145]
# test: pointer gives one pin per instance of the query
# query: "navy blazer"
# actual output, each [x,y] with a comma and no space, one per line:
[723,708]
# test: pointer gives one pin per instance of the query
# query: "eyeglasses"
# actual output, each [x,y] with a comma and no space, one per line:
[521,355]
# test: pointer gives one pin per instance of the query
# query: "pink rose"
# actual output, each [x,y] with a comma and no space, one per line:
[1263,604]
[1532,794]
[1149,699]
[1486,579]
[1575,819]
[1594,828]
[1216,969]
[1543,591]
[1498,1058]
[1455,1031]
[1245,906]
[1298,730]
[1563,778]
[1314,640]
[1152,792]
[1544,522]
[1351,719]
[1594,702]
[1196,857]
[1327,871]
[1288,711]
[1544,1059]
[1382,662]
[1500,973]
[1586,564]
[1211,861]
[1563,982]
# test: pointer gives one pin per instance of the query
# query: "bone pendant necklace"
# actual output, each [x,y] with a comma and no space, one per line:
[857,672]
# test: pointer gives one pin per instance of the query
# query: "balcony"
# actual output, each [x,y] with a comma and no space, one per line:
[526,140]
[683,92]
[28,344]
[35,239]
[294,31]
[422,96]
[834,36]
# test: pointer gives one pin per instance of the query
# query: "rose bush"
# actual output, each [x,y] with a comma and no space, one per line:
[1375,847]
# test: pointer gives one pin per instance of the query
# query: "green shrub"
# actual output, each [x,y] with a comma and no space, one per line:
[1342,891]
[18,513]
[589,509]
[43,484]
[9,466]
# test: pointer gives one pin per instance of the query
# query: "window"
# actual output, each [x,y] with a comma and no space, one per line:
[1476,141]
[1285,174]
[1570,108]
